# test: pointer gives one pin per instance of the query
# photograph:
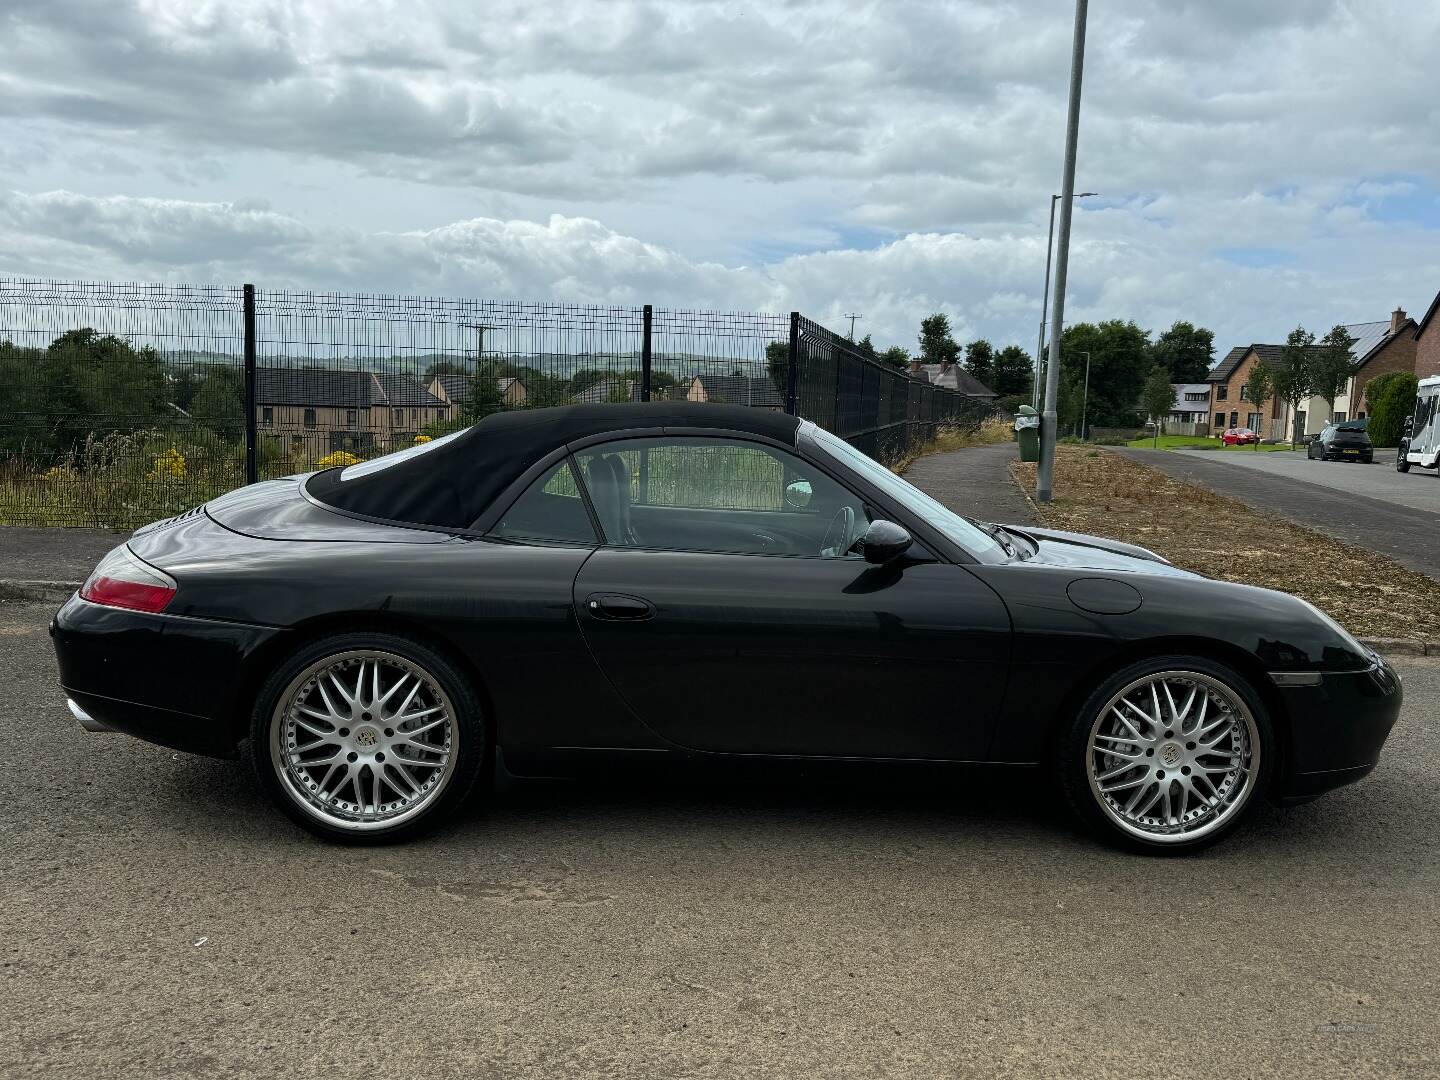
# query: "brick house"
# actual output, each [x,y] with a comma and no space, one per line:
[1394,351]
[1230,406]
[1380,347]
[312,412]
[1427,342]
[455,389]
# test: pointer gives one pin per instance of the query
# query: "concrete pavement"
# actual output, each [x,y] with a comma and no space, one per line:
[975,482]
[158,918]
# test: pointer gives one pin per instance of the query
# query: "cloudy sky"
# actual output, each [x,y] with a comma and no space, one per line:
[1259,163]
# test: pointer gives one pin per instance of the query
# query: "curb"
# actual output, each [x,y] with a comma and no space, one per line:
[60,591]
[55,591]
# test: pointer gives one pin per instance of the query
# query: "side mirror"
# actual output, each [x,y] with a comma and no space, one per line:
[884,542]
[798,494]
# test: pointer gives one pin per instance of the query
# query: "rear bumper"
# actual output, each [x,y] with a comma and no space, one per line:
[1337,729]
[168,679]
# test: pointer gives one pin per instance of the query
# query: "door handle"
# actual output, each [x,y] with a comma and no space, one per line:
[618,606]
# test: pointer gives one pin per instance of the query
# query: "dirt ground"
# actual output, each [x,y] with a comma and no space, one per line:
[1102,493]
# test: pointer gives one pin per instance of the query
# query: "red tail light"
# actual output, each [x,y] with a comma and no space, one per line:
[121,580]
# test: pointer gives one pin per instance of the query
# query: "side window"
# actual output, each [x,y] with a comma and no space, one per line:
[550,509]
[723,495]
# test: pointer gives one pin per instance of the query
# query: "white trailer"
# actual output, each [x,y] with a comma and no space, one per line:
[1421,443]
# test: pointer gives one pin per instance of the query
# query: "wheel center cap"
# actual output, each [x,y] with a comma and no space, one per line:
[1170,754]
[366,738]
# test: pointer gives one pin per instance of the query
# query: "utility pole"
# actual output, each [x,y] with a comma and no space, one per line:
[1085,404]
[1045,474]
[1045,298]
[852,316]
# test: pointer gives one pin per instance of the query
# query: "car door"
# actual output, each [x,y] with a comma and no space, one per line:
[722,641]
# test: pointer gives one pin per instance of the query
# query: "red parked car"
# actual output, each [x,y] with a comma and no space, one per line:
[1239,436]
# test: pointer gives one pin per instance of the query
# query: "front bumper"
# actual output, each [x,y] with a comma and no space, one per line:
[168,679]
[1337,728]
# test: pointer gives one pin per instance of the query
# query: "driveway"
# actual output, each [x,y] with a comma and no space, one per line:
[157,917]
[1371,506]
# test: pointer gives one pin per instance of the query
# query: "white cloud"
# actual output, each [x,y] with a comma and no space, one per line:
[893,158]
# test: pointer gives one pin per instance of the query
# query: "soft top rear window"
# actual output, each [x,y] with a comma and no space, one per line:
[374,465]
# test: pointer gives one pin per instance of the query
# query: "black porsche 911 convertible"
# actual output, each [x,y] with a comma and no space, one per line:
[554,590]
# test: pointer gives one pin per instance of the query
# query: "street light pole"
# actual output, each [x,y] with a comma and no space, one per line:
[1045,297]
[1045,474]
[1085,403]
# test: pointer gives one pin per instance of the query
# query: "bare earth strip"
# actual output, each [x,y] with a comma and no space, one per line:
[1108,495]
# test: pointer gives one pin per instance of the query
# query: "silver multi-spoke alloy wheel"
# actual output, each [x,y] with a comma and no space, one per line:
[1173,756]
[364,740]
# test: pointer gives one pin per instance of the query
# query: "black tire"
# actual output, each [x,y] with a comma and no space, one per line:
[1073,757]
[1402,464]
[469,730]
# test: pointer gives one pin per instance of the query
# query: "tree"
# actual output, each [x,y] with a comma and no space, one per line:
[1186,351]
[936,344]
[1331,366]
[777,363]
[1012,373]
[1119,365]
[1158,397]
[980,361]
[219,401]
[866,348]
[896,356]
[1392,399]
[1259,385]
[447,367]
[1292,375]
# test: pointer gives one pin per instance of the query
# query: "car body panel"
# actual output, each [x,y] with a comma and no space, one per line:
[802,656]
[941,655]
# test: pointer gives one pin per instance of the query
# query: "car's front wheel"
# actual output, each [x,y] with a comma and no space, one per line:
[1167,755]
[367,737]
[1402,463]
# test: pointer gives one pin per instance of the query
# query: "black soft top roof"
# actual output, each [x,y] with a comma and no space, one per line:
[450,482]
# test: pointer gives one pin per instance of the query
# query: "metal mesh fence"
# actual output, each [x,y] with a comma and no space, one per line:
[120,404]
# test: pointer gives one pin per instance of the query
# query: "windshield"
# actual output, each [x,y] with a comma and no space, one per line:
[967,535]
[374,465]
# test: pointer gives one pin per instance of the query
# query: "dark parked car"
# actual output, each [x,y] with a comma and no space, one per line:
[554,591]
[1343,440]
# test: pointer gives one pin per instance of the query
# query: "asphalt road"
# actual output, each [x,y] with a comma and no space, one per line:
[1366,505]
[156,917]
[1418,489]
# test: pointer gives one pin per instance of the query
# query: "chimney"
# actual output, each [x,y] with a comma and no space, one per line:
[1397,319]
[916,372]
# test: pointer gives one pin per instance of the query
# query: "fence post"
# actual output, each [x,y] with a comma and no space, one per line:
[252,471]
[645,355]
[792,375]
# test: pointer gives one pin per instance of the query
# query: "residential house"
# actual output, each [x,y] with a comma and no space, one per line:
[753,390]
[609,390]
[951,377]
[1191,413]
[1393,350]
[1380,347]
[456,389]
[1230,403]
[315,411]
[1427,342]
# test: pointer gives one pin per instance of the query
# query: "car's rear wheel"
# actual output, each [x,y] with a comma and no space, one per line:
[367,737]
[1168,754]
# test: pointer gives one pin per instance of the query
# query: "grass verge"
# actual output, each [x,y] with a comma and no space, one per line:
[1107,495]
[996,429]
[1199,442]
